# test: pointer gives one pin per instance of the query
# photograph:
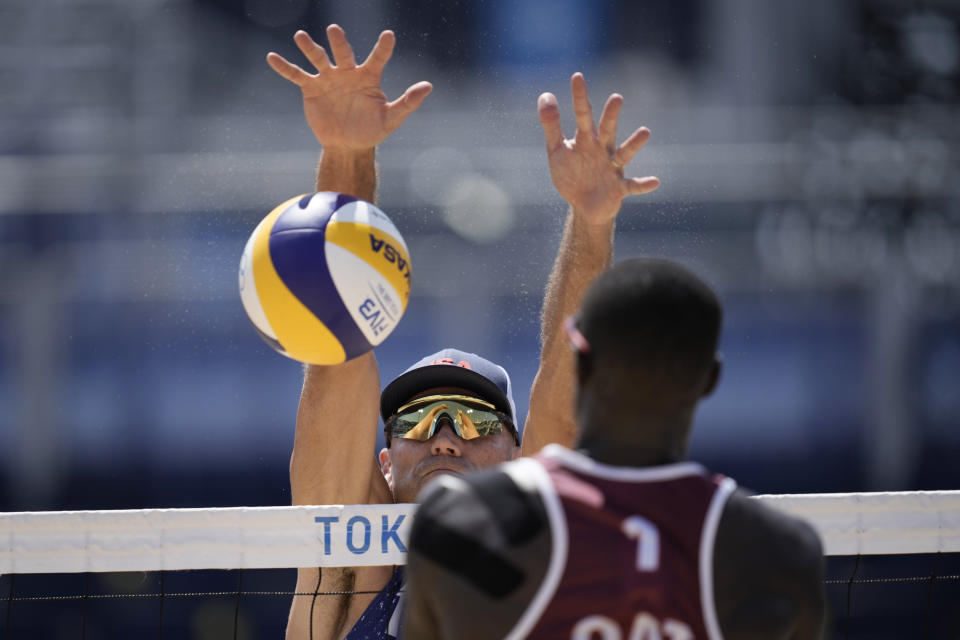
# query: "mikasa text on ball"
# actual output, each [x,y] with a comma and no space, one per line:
[325,277]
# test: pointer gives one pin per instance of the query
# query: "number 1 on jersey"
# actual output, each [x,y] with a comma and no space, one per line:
[648,541]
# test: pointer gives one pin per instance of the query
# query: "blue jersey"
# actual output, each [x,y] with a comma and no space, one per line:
[381,619]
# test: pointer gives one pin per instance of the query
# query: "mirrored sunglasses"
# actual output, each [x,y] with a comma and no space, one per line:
[469,418]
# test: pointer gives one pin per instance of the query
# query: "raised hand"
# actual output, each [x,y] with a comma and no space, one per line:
[343,102]
[587,170]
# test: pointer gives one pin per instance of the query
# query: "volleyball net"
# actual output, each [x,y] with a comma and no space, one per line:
[893,566]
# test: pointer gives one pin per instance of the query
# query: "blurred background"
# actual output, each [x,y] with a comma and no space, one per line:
[811,172]
[809,154]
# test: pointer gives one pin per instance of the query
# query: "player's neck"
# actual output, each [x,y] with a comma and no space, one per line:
[627,426]
[644,446]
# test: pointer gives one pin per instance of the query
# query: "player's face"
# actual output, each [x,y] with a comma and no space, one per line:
[408,465]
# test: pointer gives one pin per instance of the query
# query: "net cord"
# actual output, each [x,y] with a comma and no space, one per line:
[9,606]
[850,583]
[313,600]
[86,597]
[163,593]
[928,613]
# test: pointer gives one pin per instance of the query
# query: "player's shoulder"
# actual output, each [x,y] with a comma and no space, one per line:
[773,544]
[769,562]
[478,542]
[489,513]
[483,503]
[787,535]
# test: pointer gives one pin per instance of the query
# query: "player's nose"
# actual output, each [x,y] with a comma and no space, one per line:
[445,441]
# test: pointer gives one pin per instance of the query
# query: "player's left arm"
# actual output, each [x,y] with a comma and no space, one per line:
[588,172]
[331,463]
[349,114]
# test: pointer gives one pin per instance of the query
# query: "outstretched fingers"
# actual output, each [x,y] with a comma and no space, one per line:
[625,153]
[631,145]
[340,46]
[381,52]
[582,110]
[313,51]
[287,69]
[549,114]
[607,126]
[410,101]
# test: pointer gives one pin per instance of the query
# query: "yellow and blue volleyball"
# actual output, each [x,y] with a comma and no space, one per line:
[325,277]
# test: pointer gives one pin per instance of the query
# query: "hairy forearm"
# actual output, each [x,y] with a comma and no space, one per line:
[319,472]
[326,387]
[348,171]
[585,252]
[335,433]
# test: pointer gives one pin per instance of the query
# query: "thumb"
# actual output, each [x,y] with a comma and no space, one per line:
[640,186]
[399,109]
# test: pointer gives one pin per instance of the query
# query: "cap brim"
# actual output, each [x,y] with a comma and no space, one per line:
[418,380]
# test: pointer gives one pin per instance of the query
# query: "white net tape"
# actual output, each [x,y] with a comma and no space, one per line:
[879,523]
[367,535]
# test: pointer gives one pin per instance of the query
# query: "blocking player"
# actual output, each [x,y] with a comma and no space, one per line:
[621,537]
[335,431]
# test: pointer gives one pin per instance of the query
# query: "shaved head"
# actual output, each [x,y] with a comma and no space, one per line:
[654,320]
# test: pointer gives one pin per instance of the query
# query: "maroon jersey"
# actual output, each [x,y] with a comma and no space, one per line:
[632,553]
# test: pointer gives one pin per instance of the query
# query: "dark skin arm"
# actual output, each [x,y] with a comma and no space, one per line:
[768,574]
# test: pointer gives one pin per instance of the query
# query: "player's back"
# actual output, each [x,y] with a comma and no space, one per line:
[559,546]
[633,549]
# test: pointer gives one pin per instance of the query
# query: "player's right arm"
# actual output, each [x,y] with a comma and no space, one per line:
[333,458]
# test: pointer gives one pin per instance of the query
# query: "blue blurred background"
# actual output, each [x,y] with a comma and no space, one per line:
[811,173]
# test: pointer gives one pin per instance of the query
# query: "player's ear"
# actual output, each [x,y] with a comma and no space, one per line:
[714,376]
[584,368]
[386,466]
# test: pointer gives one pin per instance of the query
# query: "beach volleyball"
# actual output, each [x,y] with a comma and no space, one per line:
[325,277]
